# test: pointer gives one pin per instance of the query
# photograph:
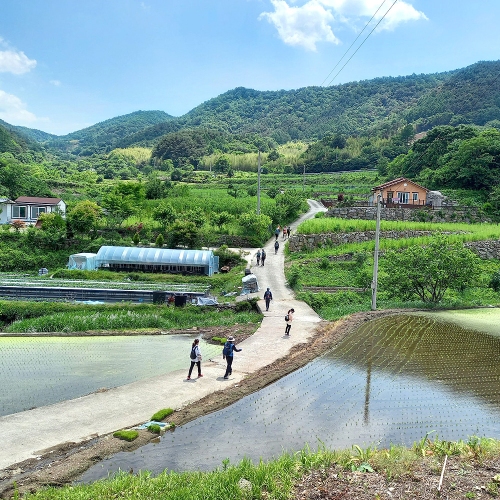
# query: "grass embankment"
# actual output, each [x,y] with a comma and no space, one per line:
[278,479]
[322,268]
[31,317]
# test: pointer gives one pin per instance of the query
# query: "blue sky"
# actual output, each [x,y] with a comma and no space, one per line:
[68,64]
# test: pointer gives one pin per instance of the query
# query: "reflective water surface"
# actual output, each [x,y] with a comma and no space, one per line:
[38,371]
[392,381]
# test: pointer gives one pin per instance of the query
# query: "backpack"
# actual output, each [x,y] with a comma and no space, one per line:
[267,294]
[193,353]
[287,317]
[228,349]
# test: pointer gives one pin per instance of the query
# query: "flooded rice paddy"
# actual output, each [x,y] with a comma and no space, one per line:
[392,381]
[38,371]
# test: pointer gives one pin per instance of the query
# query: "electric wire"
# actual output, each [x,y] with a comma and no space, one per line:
[362,43]
[355,40]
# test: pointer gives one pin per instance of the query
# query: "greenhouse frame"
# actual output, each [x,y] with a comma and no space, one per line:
[157,260]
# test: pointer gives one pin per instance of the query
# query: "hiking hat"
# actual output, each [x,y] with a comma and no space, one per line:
[230,338]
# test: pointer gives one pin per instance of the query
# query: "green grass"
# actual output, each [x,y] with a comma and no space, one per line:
[161,414]
[123,317]
[126,435]
[335,225]
[271,480]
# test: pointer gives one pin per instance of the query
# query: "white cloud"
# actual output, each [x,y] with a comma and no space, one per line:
[14,111]
[56,83]
[400,12]
[15,62]
[305,26]
[310,23]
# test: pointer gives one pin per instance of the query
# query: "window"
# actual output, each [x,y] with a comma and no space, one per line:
[403,197]
[38,210]
[18,212]
[415,196]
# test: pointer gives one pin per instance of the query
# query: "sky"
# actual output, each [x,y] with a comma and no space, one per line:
[68,64]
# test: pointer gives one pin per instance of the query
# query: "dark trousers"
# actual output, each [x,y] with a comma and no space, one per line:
[262,260]
[229,369]
[287,329]
[192,366]
[268,301]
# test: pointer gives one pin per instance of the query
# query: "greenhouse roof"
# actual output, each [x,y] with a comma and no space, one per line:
[108,254]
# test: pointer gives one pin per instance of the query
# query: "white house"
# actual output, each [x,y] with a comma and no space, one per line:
[27,209]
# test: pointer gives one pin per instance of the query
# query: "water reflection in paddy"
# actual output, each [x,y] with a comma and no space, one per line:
[392,381]
[38,371]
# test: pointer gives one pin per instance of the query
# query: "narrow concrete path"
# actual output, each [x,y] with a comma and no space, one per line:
[32,433]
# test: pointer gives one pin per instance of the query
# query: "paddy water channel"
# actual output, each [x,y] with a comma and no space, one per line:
[393,381]
[39,371]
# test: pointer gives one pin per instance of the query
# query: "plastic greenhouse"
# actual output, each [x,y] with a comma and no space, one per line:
[83,261]
[157,260]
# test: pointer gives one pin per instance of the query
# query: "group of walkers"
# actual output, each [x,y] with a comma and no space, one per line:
[261,256]
[227,354]
[230,347]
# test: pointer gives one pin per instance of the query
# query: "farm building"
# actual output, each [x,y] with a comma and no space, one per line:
[82,261]
[154,260]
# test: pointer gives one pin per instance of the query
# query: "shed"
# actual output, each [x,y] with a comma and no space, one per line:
[82,261]
[157,260]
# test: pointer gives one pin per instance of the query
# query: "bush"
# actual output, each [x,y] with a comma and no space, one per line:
[126,435]
[161,414]
[154,428]
[246,305]
[495,282]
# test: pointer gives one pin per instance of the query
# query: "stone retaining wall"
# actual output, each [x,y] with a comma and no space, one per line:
[445,214]
[486,249]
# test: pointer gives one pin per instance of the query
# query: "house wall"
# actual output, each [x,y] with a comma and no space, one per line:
[406,189]
[5,215]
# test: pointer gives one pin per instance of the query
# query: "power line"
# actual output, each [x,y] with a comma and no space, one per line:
[356,39]
[362,43]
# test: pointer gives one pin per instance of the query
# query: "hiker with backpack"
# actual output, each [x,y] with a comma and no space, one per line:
[227,354]
[195,358]
[289,319]
[258,257]
[276,247]
[263,256]
[268,296]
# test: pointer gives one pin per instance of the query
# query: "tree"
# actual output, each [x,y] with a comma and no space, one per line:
[184,233]
[222,165]
[221,218]
[256,227]
[159,240]
[84,217]
[119,207]
[164,213]
[428,272]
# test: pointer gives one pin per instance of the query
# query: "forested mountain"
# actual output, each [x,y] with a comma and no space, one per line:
[381,108]
[106,135]
[31,134]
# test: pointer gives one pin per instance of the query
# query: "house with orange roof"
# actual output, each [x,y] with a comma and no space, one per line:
[400,192]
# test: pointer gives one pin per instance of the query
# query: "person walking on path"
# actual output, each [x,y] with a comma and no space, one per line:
[285,232]
[277,233]
[263,256]
[258,257]
[227,354]
[268,296]
[195,357]
[289,319]
[276,247]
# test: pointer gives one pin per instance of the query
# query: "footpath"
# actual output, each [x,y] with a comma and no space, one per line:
[33,433]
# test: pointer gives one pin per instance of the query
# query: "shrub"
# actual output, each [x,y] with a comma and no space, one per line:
[154,428]
[495,282]
[161,414]
[246,305]
[126,435]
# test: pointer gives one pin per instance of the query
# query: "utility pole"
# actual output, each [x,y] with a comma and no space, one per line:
[375,257]
[258,186]
[304,179]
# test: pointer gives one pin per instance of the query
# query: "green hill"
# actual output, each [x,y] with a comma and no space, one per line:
[106,135]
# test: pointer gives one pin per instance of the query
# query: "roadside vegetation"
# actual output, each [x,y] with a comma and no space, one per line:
[368,471]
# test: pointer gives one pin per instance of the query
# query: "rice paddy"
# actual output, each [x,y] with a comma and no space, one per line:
[392,382]
[38,371]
